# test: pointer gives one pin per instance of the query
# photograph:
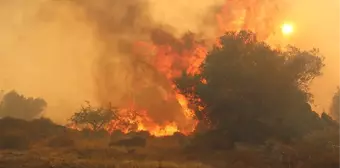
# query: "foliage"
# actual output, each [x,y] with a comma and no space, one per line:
[18,106]
[253,91]
[94,118]
[335,106]
[328,121]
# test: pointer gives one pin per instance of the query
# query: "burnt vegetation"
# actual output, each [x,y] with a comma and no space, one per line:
[256,113]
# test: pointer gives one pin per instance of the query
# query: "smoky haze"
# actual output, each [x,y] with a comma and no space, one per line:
[317,24]
[46,53]
[69,51]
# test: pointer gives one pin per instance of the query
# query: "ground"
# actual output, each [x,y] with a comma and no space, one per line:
[41,144]
[92,153]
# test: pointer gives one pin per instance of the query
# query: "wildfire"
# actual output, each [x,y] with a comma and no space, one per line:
[132,120]
[182,100]
[170,56]
[158,131]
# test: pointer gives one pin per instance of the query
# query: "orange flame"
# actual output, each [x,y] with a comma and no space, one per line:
[170,56]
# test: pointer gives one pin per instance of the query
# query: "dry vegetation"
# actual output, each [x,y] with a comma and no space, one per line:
[42,144]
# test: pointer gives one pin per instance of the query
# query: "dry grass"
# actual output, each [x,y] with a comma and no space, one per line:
[62,148]
[40,158]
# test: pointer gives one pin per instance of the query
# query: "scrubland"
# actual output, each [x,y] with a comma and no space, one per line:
[43,144]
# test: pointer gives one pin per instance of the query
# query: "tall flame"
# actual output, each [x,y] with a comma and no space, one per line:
[166,55]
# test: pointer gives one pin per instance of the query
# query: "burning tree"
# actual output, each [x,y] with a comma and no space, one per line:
[93,117]
[141,55]
[252,91]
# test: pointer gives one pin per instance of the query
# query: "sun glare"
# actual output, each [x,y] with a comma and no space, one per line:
[287,28]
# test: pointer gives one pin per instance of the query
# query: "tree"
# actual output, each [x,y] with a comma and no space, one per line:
[253,91]
[335,106]
[94,118]
[328,122]
[18,106]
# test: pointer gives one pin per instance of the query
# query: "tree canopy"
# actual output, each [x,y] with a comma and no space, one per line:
[93,117]
[253,91]
[21,107]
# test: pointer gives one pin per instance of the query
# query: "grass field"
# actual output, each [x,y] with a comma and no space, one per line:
[41,144]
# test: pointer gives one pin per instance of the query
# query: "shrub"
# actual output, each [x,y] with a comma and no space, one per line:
[116,135]
[14,142]
[61,141]
[8,124]
[143,134]
[130,142]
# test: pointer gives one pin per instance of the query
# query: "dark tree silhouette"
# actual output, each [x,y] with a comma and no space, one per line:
[18,106]
[94,118]
[335,109]
[328,121]
[253,91]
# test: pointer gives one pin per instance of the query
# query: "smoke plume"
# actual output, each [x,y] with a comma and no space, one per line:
[68,51]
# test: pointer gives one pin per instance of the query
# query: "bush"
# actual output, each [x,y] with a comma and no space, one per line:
[8,124]
[43,128]
[61,141]
[211,140]
[143,134]
[88,133]
[100,133]
[116,135]
[14,142]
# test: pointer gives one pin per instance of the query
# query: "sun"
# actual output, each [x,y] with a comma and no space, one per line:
[287,29]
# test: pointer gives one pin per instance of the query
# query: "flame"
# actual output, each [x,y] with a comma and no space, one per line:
[132,120]
[182,100]
[170,58]
[171,55]
[73,126]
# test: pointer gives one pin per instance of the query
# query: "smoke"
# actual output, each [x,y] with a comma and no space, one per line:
[46,52]
[124,77]
[69,51]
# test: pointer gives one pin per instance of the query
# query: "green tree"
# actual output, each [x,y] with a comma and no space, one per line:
[253,91]
[21,107]
[335,106]
[93,117]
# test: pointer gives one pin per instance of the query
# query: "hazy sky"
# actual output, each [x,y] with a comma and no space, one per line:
[50,59]
[53,59]
[317,24]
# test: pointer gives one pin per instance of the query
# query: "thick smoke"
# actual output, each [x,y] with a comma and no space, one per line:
[123,77]
[68,51]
